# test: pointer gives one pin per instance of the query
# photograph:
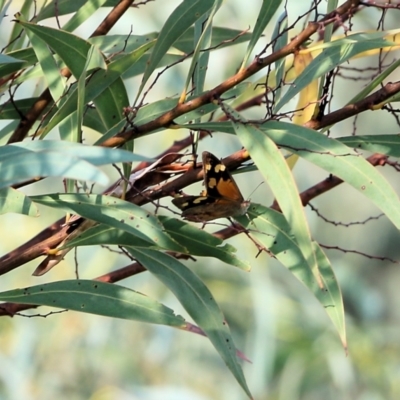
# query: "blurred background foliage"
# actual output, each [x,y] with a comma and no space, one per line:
[295,353]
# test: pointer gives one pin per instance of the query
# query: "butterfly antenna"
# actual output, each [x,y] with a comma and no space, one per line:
[255,189]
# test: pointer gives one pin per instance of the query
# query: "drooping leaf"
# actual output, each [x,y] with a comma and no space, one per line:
[107,235]
[26,165]
[111,102]
[271,229]
[201,243]
[116,213]
[275,170]
[221,37]
[8,110]
[95,155]
[197,301]
[5,59]
[124,44]
[98,298]
[14,201]
[26,56]
[384,144]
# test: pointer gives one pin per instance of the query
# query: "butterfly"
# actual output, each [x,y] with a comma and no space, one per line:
[220,199]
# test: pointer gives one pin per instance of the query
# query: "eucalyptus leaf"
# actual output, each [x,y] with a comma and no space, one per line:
[26,165]
[116,213]
[98,298]
[197,301]
[271,229]
[14,201]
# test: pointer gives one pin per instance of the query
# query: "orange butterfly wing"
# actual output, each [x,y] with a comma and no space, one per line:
[222,197]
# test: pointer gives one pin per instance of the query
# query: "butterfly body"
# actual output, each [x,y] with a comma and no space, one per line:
[221,199]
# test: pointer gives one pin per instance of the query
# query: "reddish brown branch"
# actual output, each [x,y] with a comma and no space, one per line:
[9,309]
[368,103]
[258,64]
[7,263]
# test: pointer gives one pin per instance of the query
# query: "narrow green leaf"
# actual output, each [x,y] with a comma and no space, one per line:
[3,10]
[14,201]
[337,159]
[201,243]
[198,66]
[51,72]
[27,165]
[202,39]
[271,229]
[107,235]
[115,44]
[5,59]
[17,38]
[279,40]
[337,53]
[113,212]
[95,155]
[70,48]
[68,128]
[185,15]
[110,103]
[27,57]
[77,118]
[98,298]
[197,301]
[93,121]
[384,144]
[332,295]
[277,174]
[7,130]
[331,5]
[221,37]
[83,13]
[8,110]
[62,7]
[268,9]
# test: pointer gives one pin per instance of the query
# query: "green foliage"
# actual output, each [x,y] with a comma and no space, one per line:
[96,298]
